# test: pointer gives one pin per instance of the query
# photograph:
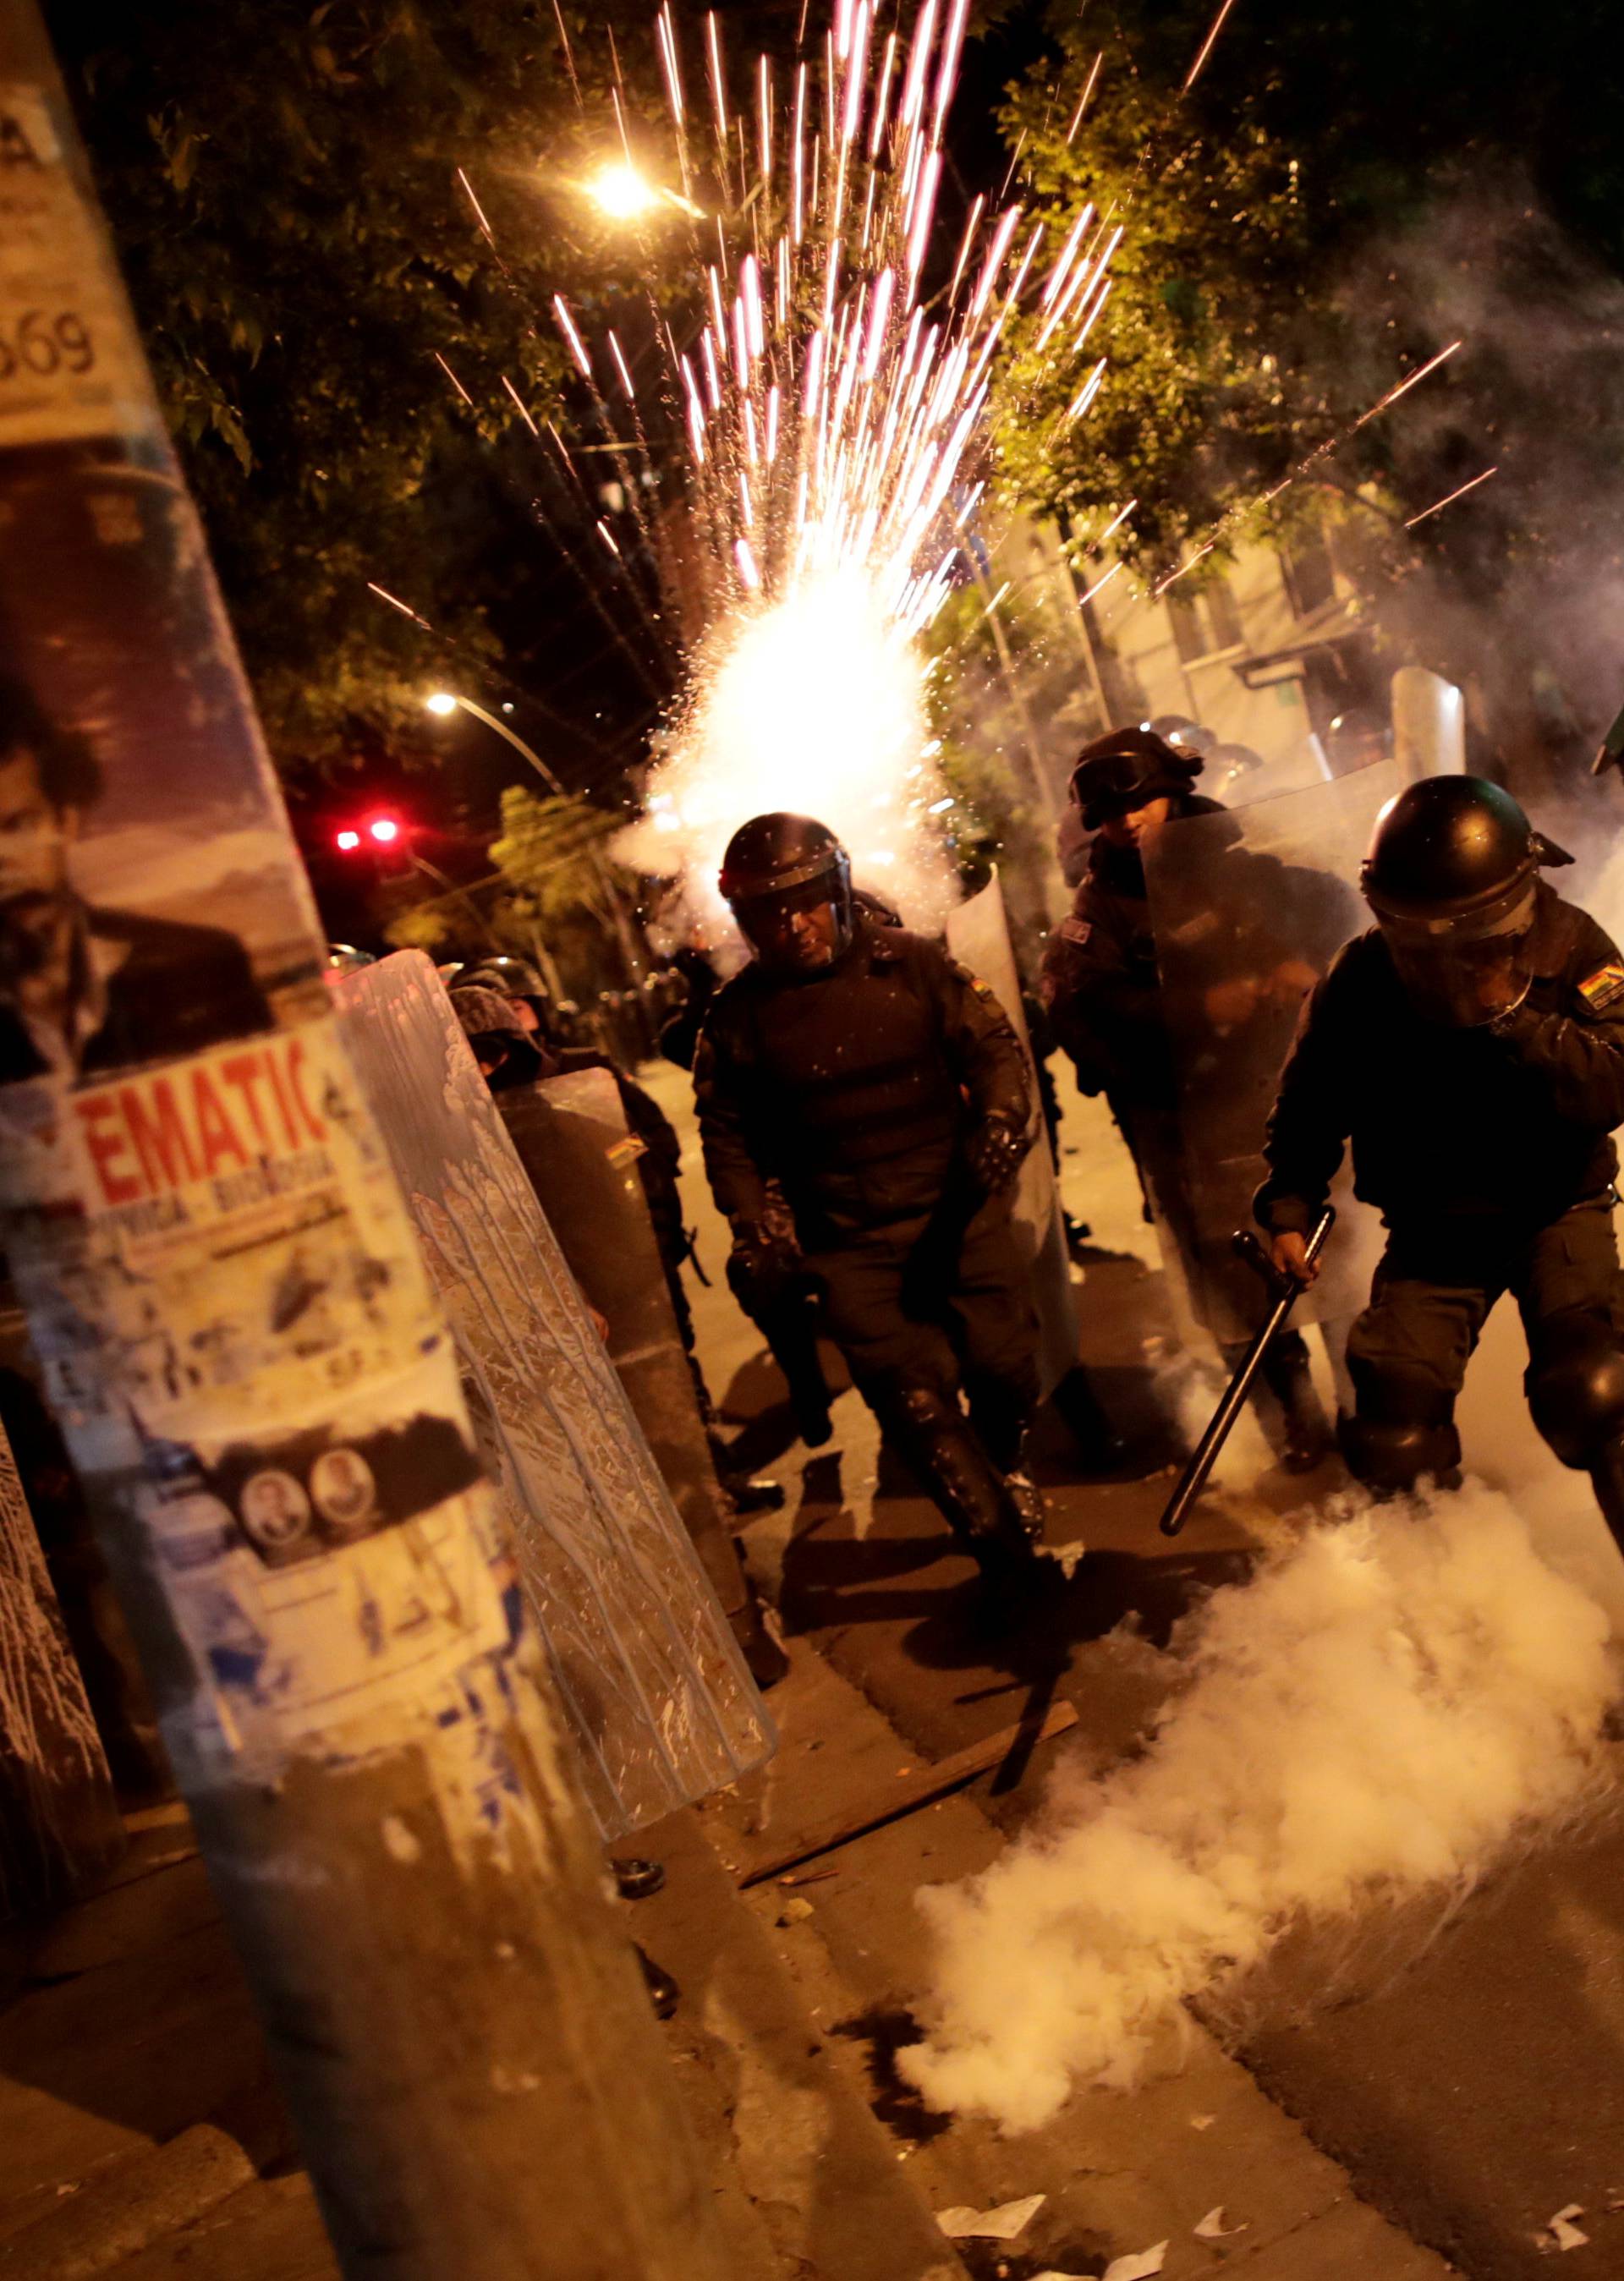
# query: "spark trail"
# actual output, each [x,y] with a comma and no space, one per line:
[830,402]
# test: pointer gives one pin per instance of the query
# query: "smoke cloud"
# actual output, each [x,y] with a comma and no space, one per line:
[1519,590]
[1382,1710]
[816,703]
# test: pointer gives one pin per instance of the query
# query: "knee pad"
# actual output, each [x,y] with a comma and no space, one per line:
[913,1405]
[1404,1429]
[1576,1388]
[1391,1459]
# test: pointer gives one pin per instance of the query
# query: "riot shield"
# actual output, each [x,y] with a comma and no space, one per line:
[570,1133]
[661,1706]
[59,1824]
[978,937]
[1429,726]
[1250,906]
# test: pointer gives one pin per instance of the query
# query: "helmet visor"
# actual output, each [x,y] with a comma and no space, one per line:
[798,930]
[1465,971]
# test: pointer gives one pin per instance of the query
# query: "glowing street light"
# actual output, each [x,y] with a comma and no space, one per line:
[444,701]
[623,193]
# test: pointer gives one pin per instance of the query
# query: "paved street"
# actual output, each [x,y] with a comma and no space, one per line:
[1468,2080]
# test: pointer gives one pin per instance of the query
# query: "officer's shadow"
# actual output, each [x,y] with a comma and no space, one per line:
[903,1567]
[878,1559]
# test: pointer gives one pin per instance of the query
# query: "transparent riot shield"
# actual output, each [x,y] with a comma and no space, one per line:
[978,937]
[571,1135]
[1429,724]
[1249,908]
[59,1825]
[660,1705]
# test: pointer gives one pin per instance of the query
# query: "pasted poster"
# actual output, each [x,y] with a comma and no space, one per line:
[148,906]
[238,1337]
[223,1288]
[69,362]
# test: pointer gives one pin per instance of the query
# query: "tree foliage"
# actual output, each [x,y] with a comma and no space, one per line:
[554,853]
[1337,200]
[282,182]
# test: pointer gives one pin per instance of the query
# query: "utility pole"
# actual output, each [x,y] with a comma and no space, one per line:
[242,1347]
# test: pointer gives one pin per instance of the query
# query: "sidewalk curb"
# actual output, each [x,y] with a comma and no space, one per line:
[819,2169]
[127,2205]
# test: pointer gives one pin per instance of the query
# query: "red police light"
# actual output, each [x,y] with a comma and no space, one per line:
[384,829]
[347,840]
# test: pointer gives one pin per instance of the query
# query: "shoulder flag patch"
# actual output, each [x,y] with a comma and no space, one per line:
[1603,988]
[1076,931]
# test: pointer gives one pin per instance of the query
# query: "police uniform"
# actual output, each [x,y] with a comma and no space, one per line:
[837,1106]
[1101,984]
[864,1111]
[1487,1151]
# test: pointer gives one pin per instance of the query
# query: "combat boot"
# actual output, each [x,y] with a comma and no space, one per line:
[1288,1409]
[996,1526]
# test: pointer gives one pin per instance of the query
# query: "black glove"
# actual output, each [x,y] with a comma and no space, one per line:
[772,1266]
[993,1153]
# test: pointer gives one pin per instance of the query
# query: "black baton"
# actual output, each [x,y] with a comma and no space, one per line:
[1288,1290]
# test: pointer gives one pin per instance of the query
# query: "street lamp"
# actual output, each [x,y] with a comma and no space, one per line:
[622,192]
[444,701]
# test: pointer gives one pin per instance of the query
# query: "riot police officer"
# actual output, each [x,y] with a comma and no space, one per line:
[864,1108]
[1471,1045]
[1101,984]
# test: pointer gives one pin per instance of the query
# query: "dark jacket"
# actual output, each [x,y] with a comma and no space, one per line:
[1444,1122]
[680,1033]
[175,990]
[851,1091]
[1100,981]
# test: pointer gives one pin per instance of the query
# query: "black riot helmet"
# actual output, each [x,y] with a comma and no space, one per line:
[1183,734]
[506,1055]
[789,883]
[1126,769]
[1450,877]
[515,975]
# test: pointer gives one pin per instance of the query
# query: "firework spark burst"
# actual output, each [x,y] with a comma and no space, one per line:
[831,404]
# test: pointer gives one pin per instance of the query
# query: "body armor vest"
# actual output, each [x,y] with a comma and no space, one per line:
[849,1078]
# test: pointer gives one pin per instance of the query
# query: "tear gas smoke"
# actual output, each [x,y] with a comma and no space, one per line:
[1379,1713]
[813,702]
[1523,607]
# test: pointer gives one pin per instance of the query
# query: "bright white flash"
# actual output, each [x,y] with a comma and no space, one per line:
[622,192]
[814,703]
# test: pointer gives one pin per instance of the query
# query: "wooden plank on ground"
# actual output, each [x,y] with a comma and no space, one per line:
[919,1786]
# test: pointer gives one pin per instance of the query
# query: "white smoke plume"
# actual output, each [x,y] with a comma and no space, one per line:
[814,702]
[1380,1711]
